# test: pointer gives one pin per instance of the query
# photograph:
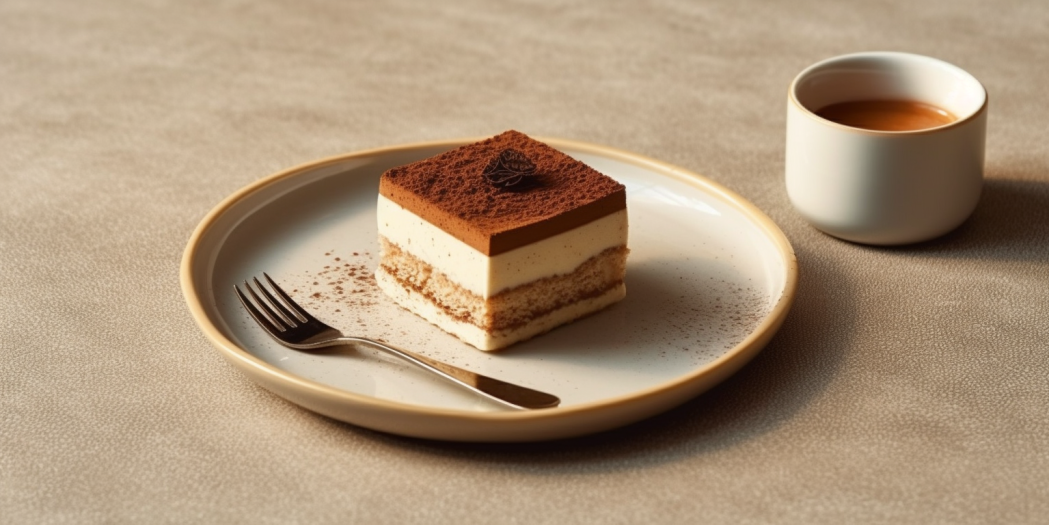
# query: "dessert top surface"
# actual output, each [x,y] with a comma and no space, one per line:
[503,192]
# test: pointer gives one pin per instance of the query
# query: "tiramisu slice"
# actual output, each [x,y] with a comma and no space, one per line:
[501,240]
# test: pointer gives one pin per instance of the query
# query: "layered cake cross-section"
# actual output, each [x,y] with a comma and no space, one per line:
[501,240]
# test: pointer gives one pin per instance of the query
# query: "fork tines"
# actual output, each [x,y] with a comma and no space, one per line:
[279,314]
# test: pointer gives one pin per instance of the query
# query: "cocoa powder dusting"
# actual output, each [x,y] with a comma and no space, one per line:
[452,191]
[345,285]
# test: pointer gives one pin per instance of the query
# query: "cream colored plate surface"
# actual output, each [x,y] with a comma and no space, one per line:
[709,280]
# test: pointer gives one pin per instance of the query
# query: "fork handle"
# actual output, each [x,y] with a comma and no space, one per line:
[509,394]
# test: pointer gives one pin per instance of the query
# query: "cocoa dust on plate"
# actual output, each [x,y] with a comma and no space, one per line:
[344,288]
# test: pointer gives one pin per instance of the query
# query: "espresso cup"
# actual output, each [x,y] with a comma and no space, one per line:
[885,148]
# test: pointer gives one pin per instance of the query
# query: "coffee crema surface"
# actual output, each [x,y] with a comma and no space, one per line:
[887,115]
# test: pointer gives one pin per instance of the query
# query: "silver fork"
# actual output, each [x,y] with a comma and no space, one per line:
[294,327]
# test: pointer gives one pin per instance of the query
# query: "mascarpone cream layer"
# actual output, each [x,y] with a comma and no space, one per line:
[487,276]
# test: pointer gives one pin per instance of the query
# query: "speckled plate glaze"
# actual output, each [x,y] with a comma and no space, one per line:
[709,280]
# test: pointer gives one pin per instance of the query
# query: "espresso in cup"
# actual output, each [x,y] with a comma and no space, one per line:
[887,115]
[885,148]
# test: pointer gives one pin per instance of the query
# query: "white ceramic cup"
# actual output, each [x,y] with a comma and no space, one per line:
[885,187]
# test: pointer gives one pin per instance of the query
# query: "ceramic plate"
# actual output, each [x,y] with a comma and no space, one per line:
[709,280]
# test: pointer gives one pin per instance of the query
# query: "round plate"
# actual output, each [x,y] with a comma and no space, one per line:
[709,280]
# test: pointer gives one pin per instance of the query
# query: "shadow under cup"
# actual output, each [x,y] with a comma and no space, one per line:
[885,187]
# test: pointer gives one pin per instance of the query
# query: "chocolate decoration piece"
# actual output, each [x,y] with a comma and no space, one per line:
[511,170]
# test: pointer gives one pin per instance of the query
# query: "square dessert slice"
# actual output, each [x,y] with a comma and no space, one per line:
[499,241]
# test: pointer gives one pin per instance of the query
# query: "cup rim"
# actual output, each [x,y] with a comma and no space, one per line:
[962,119]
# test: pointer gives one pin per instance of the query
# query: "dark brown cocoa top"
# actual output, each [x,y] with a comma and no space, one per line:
[452,192]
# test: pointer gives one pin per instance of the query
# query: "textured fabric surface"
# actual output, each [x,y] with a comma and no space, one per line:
[908,385]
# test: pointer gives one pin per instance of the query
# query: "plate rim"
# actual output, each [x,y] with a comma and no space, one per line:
[702,378]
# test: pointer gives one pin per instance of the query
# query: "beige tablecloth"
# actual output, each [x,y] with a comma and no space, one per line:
[908,385]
